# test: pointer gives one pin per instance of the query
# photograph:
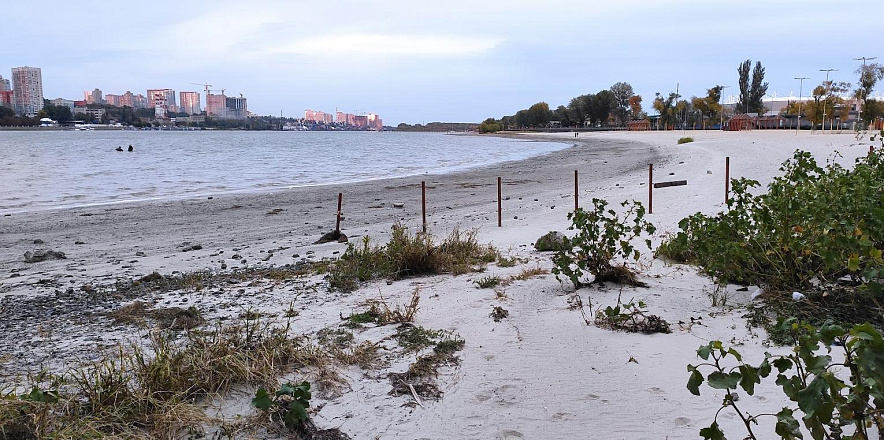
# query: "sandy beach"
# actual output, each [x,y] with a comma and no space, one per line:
[542,372]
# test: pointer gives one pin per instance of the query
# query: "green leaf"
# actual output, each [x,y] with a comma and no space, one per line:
[38,395]
[721,381]
[286,390]
[818,364]
[295,415]
[749,377]
[782,364]
[735,353]
[262,400]
[713,432]
[694,381]
[704,351]
[764,369]
[787,427]
[853,264]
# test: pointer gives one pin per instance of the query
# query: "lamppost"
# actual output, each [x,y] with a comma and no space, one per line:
[800,87]
[827,95]
[863,72]
[721,99]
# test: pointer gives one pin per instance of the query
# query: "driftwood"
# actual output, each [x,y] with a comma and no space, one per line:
[670,183]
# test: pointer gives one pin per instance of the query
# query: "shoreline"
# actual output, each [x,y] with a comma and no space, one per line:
[36,206]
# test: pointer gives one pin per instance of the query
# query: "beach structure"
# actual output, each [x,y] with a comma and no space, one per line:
[740,122]
[639,125]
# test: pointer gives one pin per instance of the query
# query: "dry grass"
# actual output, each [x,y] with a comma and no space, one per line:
[152,391]
[408,255]
[529,273]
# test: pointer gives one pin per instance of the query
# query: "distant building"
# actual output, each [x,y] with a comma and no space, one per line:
[126,99]
[27,86]
[5,85]
[374,121]
[139,101]
[63,103]
[360,121]
[190,103]
[113,100]
[237,108]
[164,98]
[93,97]
[96,112]
[6,97]
[318,117]
[216,106]
[345,118]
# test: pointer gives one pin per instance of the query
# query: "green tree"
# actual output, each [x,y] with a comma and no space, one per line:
[489,125]
[869,75]
[577,107]
[563,115]
[665,106]
[758,90]
[539,114]
[600,107]
[622,92]
[751,94]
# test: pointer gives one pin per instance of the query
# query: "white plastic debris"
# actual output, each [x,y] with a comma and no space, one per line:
[797,296]
[756,294]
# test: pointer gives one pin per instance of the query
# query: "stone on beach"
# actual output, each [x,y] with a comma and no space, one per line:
[43,255]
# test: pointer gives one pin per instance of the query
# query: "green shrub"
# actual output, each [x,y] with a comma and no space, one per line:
[809,377]
[602,235]
[292,401]
[813,226]
[685,140]
[408,255]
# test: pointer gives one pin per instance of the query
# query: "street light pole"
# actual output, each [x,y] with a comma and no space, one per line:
[721,99]
[827,95]
[800,89]
[863,72]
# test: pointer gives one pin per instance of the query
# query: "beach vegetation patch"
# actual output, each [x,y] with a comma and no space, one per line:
[685,140]
[488,282]
[833,404]
[406,255]
[817,230]
[602,236]
[630,317]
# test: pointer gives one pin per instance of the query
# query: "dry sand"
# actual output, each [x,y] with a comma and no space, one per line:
[540,373]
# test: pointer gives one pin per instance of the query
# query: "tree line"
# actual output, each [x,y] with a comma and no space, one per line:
[618,105]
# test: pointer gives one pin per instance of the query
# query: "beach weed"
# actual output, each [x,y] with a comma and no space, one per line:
[685,140]
[603,235]
[808,376]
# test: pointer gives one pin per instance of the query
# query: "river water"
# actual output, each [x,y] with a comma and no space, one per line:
[58,169]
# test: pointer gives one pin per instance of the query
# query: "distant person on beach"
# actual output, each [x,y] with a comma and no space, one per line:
[131,149]
[119,148]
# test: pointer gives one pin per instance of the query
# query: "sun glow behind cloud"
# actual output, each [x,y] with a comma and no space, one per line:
[387,45]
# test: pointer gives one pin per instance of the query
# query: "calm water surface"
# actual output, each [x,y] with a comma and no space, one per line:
[57,169]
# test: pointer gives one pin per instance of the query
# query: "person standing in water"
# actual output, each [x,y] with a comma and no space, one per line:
[131,149]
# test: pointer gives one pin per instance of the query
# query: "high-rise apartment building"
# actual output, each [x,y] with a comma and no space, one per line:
[5,86]
[190,103]
[126,99]
[93,97]
[237,108]
[374,121]
[318,117]
[164,98]
[216,106]
[113,100]
[139,101]
[6,98]
[27,86]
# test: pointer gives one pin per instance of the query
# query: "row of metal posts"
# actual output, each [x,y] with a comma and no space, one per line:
[727,183]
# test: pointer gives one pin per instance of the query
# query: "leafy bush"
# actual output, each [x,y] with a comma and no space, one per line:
[685,140]
[830,402]
[487,282]
[292,401]
[813,226]
[408,255]
[630,317]
[602,235]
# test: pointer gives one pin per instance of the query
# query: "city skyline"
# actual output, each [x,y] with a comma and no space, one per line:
[453,62]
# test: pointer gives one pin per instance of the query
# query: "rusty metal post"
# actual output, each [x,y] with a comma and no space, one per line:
[650,188]
[727,178]
[424,204]
[499,203]
[576,193]
[338,221]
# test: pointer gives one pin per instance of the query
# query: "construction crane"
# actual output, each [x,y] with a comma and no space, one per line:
[206,85]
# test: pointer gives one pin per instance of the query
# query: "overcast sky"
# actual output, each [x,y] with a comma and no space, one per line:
[420,61]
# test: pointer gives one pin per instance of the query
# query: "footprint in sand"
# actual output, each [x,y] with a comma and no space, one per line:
[655,390]
[508,434]
[683,421]
[561,417]
[506,395]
